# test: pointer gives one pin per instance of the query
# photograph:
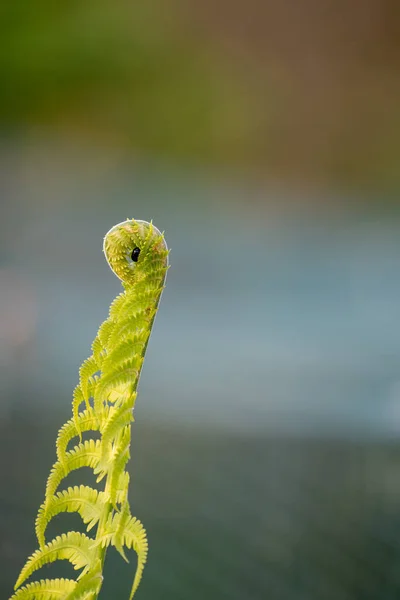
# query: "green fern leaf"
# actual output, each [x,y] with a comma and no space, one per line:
[116,307]
[143,303]
[104,332]
[88,586]
[128,347]
[122,456]
[119,524]
[84,500]
[45,589]
[122,488]
[134,536]
[128,327]
[77,399]
[105,538]
[86,372]
[118,380]
[119,418]
[86,420]
[98,351]
[86,454]
[72,546]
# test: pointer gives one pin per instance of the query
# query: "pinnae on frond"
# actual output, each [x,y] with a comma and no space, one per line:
[103,402]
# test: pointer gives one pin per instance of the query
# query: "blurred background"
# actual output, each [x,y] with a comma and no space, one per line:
[264,138]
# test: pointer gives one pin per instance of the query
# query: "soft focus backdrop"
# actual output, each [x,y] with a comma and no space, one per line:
[264,138]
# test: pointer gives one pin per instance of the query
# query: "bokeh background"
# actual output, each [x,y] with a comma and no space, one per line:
[264,138]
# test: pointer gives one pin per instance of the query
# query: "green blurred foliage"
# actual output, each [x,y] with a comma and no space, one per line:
[127,72]
[300,95]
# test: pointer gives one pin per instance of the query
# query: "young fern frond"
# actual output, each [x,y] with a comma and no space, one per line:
[108,380]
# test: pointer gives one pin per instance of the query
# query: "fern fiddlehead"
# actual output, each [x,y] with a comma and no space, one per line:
[103,401]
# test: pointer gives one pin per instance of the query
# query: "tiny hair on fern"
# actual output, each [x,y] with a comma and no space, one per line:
[103,402]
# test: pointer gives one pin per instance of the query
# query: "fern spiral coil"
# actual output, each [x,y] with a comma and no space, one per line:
[103,401]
